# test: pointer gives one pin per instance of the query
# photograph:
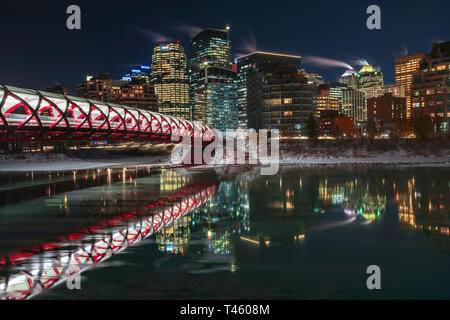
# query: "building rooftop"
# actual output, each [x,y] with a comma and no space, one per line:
[440,49]
[211,32]
[270,54]
[367,69]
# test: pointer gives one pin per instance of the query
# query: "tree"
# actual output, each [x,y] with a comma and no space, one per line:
[437,123]
[311,127]
[371,128]
[337,131]
[422,126]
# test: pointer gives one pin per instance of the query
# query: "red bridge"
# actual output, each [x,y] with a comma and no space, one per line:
[32,115]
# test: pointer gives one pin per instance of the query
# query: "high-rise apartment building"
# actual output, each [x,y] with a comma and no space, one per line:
[134,93]
[354,104]
[213,80]
[272,92]
[430,88]
[170,78]
[405,67]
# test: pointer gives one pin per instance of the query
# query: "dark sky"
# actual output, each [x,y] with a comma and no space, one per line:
[37,50]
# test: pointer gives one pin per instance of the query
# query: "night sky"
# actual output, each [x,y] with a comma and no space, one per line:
[38,51]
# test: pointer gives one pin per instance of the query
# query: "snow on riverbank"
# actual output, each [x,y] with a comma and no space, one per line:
[42,161]
[374,160]
[353,161]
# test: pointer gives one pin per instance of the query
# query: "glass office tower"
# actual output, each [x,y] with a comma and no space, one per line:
[169,75]
[213,81]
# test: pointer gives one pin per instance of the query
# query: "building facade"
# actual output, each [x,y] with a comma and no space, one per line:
[134,93]
[329,98]
[272,92]
[397,91]
[138,73]
[213,80]
[430,88]
[387,109]
[170,78]
[332,123]
[405,67]
[369,79]
[315,80]
[354,104]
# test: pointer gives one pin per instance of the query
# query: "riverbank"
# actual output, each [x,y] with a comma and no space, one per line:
[41,161]
[366,152]
[435,153]
[60,162]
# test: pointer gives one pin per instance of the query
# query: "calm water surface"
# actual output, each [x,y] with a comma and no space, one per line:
[191,234]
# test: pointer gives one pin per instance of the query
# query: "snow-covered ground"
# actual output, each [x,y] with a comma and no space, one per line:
[329,153]
[305,157]
[372,160]
[57,162]
[442,161]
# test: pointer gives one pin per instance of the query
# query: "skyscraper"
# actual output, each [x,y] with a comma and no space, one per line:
[404,70]
[369,79]
[213,81]
[169,76]
[430,88]
[354,105]
[272,93]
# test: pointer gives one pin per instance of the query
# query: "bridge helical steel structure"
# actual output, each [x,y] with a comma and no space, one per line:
[32,115]
[34,271]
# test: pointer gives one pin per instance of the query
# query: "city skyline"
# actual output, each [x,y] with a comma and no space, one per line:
[66,57]
[195,153]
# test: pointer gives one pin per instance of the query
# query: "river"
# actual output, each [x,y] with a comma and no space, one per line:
[144,233]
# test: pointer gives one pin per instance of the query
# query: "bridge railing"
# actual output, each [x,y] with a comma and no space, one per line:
[31,115]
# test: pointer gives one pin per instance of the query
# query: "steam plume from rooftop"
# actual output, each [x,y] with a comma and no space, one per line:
[188,30]
[154,36]
[249,43]
[325,62]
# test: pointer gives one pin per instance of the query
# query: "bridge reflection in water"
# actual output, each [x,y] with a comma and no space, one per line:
[92,245]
